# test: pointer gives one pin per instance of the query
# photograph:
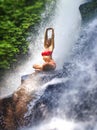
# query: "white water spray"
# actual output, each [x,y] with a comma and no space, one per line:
[56,124]
[66,22]
[67,25]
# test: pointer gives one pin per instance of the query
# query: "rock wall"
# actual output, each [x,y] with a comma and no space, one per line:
[14,107]
[17,110]
[88,10]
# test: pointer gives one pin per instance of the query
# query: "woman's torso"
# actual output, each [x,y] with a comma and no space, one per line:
[47,52]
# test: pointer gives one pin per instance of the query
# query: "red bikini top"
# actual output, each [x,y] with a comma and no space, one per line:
[46,53]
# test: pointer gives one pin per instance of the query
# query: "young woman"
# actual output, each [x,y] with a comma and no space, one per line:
[49,63]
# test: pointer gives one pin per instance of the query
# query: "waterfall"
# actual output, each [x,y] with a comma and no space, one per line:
[66,23]
[77,108]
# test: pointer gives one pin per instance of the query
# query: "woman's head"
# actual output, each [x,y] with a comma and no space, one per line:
[49,41]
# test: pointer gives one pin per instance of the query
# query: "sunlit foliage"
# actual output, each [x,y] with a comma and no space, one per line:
[16,16]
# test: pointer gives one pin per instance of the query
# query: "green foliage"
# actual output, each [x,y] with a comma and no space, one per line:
[16,16]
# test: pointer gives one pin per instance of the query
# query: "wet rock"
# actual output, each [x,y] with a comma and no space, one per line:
[24,107]
[88,10]
[14,107]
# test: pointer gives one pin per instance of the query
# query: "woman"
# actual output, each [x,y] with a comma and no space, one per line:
[49,63]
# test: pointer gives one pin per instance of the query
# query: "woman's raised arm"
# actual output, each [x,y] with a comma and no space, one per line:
[46,37]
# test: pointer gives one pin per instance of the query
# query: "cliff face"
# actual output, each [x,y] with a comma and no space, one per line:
[88,10]
[14,107]
[23,108]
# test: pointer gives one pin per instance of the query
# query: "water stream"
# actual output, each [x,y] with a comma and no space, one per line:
[72,112]
[77,105]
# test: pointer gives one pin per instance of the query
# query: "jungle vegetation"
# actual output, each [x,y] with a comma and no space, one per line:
[16,17]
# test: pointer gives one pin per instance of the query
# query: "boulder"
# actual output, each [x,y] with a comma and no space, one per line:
[25,106]
[88,10]
[14,107]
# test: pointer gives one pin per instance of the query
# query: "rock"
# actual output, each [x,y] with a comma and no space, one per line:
[23,107]
[88,10]
[14,107]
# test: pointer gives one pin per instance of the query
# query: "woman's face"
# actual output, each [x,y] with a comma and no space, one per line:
[49,41]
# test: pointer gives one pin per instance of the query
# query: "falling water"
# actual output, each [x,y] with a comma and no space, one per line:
[77,108]
[66,22]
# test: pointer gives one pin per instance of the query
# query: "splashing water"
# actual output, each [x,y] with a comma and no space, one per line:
[56,124]
[79,101]
[67,25]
